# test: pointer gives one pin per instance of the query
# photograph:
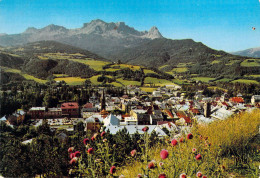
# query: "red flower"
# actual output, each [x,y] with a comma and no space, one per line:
[90,151]
[183,175]
[162,175]
[204,176]
[199,174]
[133,153]
[70,150]
[164,154]
[77,154]
[181,139]
[103,134]
[151,165]
[86,141]
[139,176]
[174,142]
[72,155]
[198,157]
[145,129]
[112,169]
[93,138]
[73,161]
[189,136]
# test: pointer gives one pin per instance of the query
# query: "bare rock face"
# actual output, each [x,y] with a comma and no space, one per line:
[97,36]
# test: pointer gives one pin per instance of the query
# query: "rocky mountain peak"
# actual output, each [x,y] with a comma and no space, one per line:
[154,33]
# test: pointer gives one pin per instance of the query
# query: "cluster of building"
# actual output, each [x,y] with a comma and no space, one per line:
[165,108]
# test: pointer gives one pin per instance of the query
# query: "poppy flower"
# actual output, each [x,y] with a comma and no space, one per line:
[174,142]
[70,150]
[77,154]
[204,176]
[189,136]
[133,153]
[199,174]
[162,175]
[151,165]
[93,138]
[86,141]
[164,154]
[183,175]
[73,161]
[198,157]
[90,151]
[139,176]
[72,155]
[112,169]
[145,129]
[103,134]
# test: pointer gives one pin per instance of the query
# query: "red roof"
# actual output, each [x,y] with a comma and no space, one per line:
[70,105]
[88,105]
[237,100]
[182,115]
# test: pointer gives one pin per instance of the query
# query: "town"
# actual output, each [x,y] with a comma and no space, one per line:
[166,111]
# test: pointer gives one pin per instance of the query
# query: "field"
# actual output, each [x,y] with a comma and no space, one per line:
[71,80]
[231,62]
[96,65]
[158,82]
[161,67]
[60,75]
[254,76]
[180,69]
[215,62]
[148,89]
[224,80]
[147,71]
[203,79]
[26,76]
[251,63]
[94,80]
[245,81]
[128,82]
[217,88]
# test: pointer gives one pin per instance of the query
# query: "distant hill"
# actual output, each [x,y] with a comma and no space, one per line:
[252,52]
[39,47]
[97,36]
[166,51]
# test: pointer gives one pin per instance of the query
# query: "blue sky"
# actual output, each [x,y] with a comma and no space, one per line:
[220,24]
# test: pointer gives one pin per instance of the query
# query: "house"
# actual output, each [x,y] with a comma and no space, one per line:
[70,109]
[37,112]
[53,113]
[236,100]
[111,120]
[221,113]
[255,99]
[16,118]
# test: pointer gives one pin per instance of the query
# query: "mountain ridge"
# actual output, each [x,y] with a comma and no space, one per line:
[251,52]
[96,36]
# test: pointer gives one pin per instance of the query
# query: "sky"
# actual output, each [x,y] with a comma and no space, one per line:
[220,24]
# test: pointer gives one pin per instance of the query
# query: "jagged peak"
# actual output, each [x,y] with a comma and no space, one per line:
[154,33]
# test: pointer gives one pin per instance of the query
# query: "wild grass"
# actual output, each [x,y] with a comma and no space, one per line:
[128,82]
[223,145]
[215,62]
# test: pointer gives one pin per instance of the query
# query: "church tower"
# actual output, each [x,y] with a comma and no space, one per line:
[103,101]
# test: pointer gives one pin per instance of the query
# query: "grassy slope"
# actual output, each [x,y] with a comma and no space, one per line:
[224,137]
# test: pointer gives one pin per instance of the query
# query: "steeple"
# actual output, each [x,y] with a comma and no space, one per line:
[103,101]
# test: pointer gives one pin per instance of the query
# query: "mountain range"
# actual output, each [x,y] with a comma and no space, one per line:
[97,36]
[252,52]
